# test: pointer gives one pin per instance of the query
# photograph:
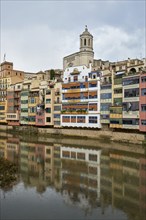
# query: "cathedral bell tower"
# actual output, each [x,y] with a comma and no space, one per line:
[86,41]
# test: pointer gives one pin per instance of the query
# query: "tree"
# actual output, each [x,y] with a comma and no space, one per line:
[52,74]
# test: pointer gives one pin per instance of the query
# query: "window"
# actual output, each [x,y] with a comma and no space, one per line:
[48,119]
[48,92]
[106,96]
[66,117]
[2,107]
[58,99]
[56,115]
[48,110]
[105,87]
[73,154]
[32,100]
[81,156]
[143,92]
[117,91]
[105,106]
[75,78]
[104,116]
[31,119]
[32,110]
[92,157]
[115,121]
[93,119]
[40,121]
[92,85]
[143,122]
[80,119]
[143,108]
[48,101]
[57,108]
[130,121]
[131,93]
[66,154]
[56,122]
[130,81]
[24,101]
[48,151]
[131,106]
[143,79]
[84,42]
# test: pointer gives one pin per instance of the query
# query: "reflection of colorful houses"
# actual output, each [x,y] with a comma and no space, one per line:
[13,149]
[142,185]
[123,181]
[57,166]
[3,148]
[49,164]
[80,175]
[32,165]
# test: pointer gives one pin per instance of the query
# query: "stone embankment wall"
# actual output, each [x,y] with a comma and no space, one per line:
[97,134]
[124,137]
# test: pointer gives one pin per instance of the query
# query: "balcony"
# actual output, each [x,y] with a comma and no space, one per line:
[131,127]
[14,123]
[116,115]
[131,114]
[74,112]
[116,126]
[12,116]
[104,121]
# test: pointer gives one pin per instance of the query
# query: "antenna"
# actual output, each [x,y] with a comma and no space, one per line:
[4,57]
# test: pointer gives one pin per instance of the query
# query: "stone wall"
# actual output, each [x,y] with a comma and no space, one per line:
[96,134]
[135,138]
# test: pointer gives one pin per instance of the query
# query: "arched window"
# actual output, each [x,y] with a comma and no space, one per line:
[132,71]
[84,42]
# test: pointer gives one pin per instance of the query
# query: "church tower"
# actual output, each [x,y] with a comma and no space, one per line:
[85,56]
[86,41]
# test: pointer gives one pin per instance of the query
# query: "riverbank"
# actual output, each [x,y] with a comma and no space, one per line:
[106,135]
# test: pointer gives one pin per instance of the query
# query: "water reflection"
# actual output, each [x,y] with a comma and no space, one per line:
[86,178]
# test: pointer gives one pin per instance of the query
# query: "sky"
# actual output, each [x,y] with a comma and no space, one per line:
[36,35]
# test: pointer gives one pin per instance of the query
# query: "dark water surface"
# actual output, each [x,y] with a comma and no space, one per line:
[80,180]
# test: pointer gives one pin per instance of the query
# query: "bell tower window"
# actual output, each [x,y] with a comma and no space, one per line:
[84,42]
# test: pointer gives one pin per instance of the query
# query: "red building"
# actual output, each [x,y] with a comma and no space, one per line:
[142,102]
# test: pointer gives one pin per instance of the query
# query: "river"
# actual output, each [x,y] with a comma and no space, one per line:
[73,179]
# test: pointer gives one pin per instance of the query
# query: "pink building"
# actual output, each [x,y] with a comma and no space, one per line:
[142,102]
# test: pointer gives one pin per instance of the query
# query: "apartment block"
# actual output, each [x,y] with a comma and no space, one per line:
[81,98]
[13,104]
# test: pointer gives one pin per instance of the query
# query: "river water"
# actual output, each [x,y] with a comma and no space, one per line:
[73,179]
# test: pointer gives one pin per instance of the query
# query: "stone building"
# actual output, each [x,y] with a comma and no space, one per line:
[85,55]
